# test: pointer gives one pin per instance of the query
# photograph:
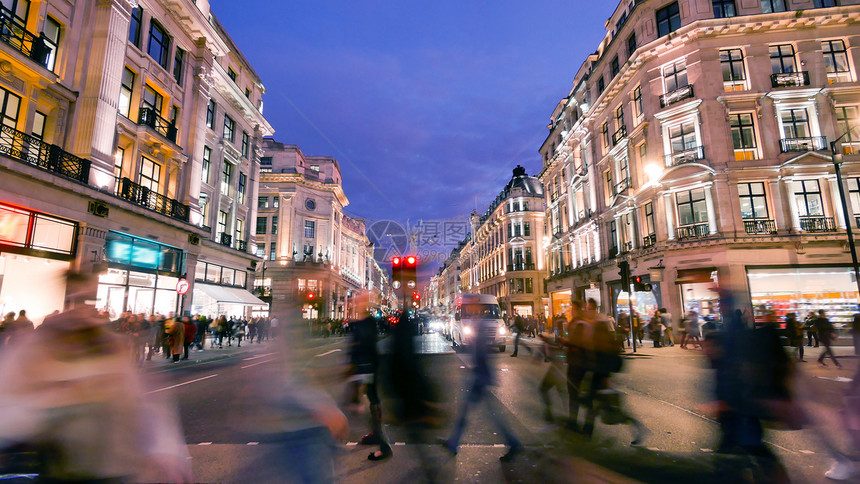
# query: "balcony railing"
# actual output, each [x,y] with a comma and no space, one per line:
[815,143]
[145,197]
[676,96]
[759,226]
[521,267]
[649,240]
[691,155]
[619,135]
[789,79]
[613,252]
[148,117]
[242,245]
[817,224]
[626,247]
[697,231]
[16,36]
[225,239]
[622,186]
[33,151]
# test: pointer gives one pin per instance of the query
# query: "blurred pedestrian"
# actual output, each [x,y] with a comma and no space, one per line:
[190,330]
[666,318]
[554,376]
[576,361]
[794,333]
[175,331]
[520,327]
[809,325]
[693,330]
[826,335]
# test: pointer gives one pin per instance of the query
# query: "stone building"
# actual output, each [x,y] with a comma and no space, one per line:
[105,139]
[695,144]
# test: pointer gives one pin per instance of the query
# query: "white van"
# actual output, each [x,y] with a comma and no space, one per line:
[470,309]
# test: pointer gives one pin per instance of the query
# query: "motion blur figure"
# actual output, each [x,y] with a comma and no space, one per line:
[71,394]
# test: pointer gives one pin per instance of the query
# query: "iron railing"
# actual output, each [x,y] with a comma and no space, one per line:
[225,239]
[619,135]
[622,186]
[521,267]
[690,155]
[242,245]
[19,38]
[147,198]
[789,79]
[33,151]
[814,143]
[649,240]
[696,231]
[148,117]
[626,247]
[613,252]
[676,96]
[759,226]
[817,224]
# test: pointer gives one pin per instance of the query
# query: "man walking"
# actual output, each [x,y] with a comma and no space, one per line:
[824,328]
[520,327]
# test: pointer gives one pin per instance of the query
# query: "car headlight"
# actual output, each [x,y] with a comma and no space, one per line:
[502,330]
[467,330]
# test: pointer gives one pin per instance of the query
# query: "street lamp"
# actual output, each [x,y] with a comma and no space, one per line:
[837,161]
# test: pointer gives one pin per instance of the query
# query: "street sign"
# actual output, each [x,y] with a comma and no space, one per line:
[182,286]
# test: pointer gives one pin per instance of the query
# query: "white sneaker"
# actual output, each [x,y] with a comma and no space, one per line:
[840,470]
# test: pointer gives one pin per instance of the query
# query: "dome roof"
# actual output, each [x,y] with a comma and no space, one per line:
[529,184]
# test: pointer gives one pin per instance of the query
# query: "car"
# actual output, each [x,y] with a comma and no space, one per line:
[472,308]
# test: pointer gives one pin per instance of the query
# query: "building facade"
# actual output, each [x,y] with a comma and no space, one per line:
[504,256]
[695,144]
[103,144]
[309,245]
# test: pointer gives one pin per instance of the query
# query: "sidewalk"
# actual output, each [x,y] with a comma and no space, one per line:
[195,357]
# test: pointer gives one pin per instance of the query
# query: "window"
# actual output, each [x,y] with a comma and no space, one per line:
[825,3]
[240,230]
[854,197]
[613,236]
[649,218]
[118,160]
[135,25]
[743,136]
[246,145]
[836,61]
[309,229]
[262,203]
[243,182]
[261,251]
[724,8]
[619,117]
[624,171]
[159,43]
[734,74]
[207,163]
[222,223]
[125,91]
[771,6]
[527,231]
[10,106]
[266,164]
[210,114]
[668,19]
[795,123]
[261,225]
[682,138]
[753,200]
[204,209]
[274,225]
[614,67]
[273,252]
[782,59]
[846,123]
[601,85]
[637,104]
[229,128]
[152,100]
[226,176]
[52,38]
[150,174]
[631,45]
[248,92]
[675,75]
[807,196]
[692,208]
[604,134]
[178,60]
[609,187]
[231,74]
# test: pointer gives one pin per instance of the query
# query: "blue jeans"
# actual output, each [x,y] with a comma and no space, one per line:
[479,391]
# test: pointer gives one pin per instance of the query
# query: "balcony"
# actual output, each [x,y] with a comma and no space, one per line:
[817,224]
[148,117]
[622,186]
[676,96]
[760,227]
[815,143]
[649,241]
[16,36]
[626,247]
[147,198]
[690,155]
[242,245]
[613,252]
[225,239]
[30,150]
[789,79]
[619,135]
[697,231]
[521,267]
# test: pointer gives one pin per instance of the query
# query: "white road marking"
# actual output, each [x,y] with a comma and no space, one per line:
[505,369]
[205,443]
[328,352]
[253,443]
[841,379]
[400,443]
[351,444]
[462,367]
[258,356]
[498,445]
[807,452]
[707,450]
[258,363]
[180,384]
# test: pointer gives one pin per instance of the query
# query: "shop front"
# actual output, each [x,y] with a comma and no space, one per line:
[221,291]
[36,250]
[524,309]
[645,303]
[697,292]
[777,291]
[141,276]
[560,302]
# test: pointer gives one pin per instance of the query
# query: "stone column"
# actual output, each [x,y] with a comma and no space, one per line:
[712,214]
[779,204]
[792,206]
[837,203]
[670,216]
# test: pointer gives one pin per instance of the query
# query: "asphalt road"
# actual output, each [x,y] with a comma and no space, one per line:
[665,388]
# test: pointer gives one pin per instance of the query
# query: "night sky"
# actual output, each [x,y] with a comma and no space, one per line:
[427,106]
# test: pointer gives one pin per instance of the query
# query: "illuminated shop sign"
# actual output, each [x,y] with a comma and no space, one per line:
[142,253]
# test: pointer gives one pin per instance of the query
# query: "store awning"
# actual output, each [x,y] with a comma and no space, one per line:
[231,295]
[689,276]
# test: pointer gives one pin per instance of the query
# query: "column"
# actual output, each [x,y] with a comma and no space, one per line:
[778,204]
[670,216]
[792,206]
[837,203]
[712,215]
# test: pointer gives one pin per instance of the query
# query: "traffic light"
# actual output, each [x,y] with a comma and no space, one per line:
[310,297]
[624,272]
[640,286]
[410,272]
[396,271]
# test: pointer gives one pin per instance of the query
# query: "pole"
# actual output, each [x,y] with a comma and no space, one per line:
[847,219]
[630,317]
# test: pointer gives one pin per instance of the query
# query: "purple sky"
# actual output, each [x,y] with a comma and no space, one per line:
[426,105]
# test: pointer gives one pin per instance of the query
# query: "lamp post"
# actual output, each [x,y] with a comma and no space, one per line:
[837,161]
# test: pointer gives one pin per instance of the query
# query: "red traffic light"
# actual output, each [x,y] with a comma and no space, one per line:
[310,296]
[637,279]
[395,261]
[415,295]
[411,260]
